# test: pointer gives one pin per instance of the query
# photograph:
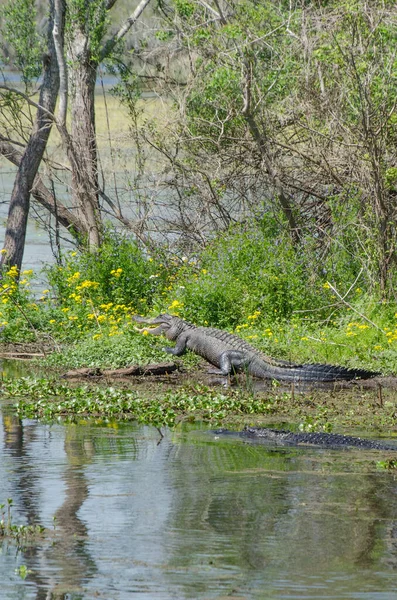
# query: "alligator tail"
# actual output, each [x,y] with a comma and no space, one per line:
[318,372]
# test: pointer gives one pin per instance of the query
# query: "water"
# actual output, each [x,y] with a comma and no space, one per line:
[193,516]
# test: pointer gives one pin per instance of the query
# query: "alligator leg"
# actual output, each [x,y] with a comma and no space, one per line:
[180,346]
[232,361]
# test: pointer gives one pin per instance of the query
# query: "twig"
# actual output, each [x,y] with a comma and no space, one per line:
[342,299]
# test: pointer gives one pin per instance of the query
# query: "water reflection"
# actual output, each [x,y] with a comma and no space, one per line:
[193,516]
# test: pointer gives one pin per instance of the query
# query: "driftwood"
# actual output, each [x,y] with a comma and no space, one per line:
[132,371]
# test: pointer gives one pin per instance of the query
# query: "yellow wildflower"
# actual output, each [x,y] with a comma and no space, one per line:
[87,284]
[175,304]
[116,272]
[106,306]
[13,272]
[254,316]
[75,297]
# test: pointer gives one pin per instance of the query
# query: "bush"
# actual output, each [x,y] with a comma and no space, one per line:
[117,272]
[250,272]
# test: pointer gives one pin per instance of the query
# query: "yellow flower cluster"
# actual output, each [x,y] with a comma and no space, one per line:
[13,272]
[107,306]
[175,305]
[354,328]
[86,285]
[75,297]
[254,316]
[391,335]
[116,272]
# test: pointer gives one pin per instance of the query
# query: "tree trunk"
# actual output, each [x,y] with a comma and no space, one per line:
[44,196]
[14,242]
[83,151]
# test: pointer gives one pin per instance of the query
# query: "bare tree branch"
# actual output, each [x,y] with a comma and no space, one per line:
[124,29]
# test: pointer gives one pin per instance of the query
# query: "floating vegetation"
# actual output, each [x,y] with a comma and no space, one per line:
[49,400]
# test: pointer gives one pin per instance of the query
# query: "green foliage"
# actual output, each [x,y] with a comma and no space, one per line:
[387,465]
[251,270]
[91,293]
[48,400]
[131,348]
[19,30]
[217,95]
[117,272]
[19,313]
[184,8]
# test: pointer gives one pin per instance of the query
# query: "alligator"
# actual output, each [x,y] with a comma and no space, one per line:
[231,354]
[284,437]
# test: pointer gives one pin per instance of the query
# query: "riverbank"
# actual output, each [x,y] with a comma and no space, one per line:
[189,394]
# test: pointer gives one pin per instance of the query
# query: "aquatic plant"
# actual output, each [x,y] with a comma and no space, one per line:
[49,400]
[20,534]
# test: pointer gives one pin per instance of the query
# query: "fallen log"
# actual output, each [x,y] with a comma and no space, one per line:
[132,371]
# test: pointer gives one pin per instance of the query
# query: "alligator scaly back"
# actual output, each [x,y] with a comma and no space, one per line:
[322,439]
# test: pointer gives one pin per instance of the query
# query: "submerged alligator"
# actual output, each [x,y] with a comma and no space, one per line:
[231,354]
[289,438]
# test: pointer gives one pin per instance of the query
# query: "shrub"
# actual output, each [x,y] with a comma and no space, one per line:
[250,270]
[117,272]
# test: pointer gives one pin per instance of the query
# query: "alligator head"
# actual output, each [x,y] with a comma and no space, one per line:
[168,325]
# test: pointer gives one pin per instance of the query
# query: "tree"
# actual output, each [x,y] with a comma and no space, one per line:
[29,163]
[86,28]
[287,108]
[86,49]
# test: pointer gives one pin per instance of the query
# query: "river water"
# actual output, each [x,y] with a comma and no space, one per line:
[191,515]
